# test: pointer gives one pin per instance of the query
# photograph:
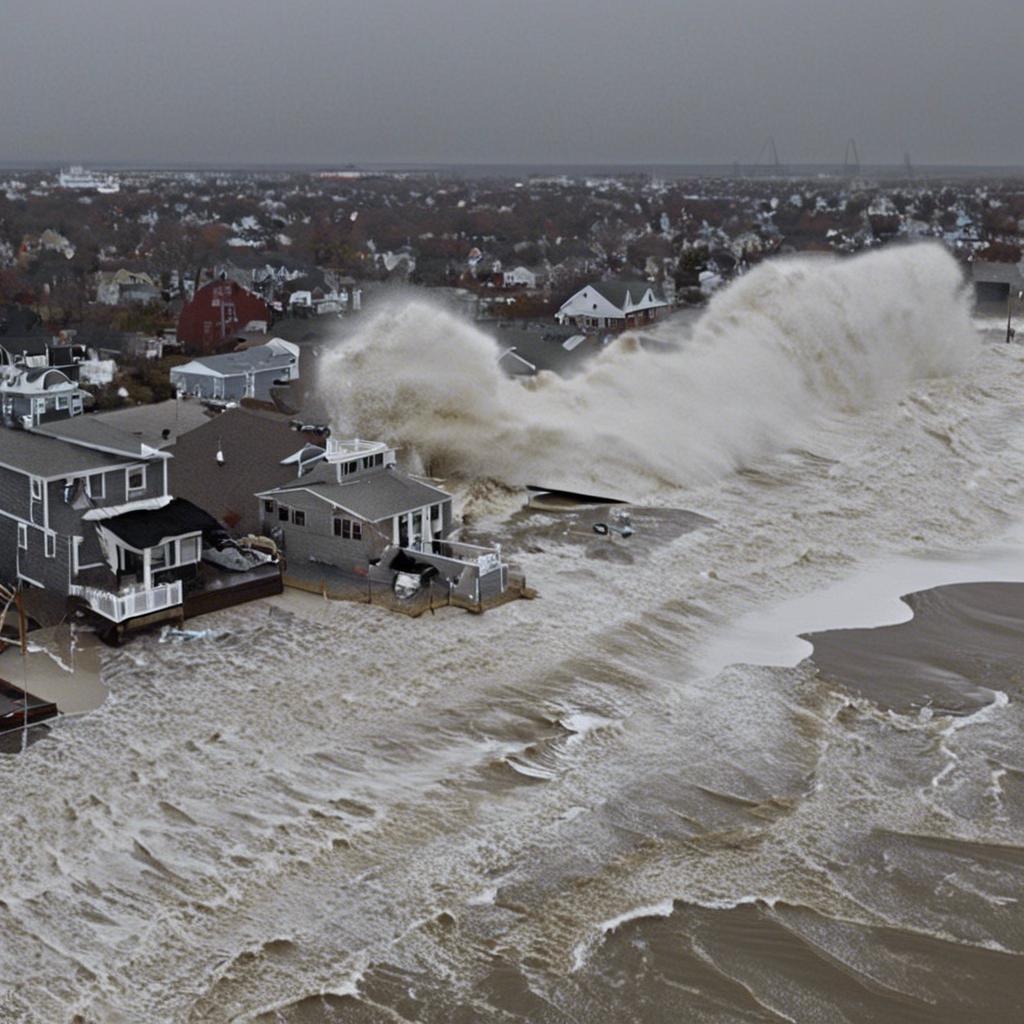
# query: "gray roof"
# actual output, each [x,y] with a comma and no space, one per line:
[997,273]
[373,497]
[39,455]
[616,291]
[91,432]
[258,358]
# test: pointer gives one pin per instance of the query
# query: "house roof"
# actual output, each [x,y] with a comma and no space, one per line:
[373,497]
[625,294]
[254,444]
[259,357]
[39,455]
[94,433]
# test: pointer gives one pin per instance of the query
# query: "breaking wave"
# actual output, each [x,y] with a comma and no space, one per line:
[790,342]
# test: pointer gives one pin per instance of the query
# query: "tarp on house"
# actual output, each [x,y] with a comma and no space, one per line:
[147,528]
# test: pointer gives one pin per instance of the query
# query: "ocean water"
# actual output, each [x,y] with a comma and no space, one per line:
[639,797]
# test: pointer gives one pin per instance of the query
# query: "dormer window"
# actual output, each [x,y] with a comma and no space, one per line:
[136,480]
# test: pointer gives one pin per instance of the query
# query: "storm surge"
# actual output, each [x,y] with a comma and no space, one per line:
[791,342]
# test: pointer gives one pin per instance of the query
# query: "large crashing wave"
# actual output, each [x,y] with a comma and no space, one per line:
[791,341]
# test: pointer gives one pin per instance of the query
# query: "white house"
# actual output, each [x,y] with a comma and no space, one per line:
[519,277]
[612,306]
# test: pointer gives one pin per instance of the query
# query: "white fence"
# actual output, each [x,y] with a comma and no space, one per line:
[129,604]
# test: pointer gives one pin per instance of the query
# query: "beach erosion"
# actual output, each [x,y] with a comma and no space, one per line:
[641,796]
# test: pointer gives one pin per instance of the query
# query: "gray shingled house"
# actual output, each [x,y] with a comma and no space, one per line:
[250,373]
[357,513]
[85,513]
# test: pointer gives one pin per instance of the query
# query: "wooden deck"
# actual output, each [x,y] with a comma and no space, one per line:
[17,707]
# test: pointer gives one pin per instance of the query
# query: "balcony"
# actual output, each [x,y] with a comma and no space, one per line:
[131,602]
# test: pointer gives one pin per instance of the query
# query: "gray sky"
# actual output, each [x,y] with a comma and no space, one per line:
[515,81]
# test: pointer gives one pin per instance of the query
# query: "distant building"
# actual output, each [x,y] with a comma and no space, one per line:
[218,311]
[230,377]
[520,277]
[612,306]
[124,287]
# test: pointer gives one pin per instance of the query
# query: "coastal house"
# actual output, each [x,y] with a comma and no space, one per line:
[357,513]
[87,520]
[612,306]
[250,373]
[217,312]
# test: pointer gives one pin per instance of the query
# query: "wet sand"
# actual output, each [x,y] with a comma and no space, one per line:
[964,643]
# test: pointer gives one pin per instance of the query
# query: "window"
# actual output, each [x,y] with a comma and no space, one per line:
[37,489]
[283,513]
[50,544]
[23,536]
[299,517]
[347,529]
[378,459]
[96,485]
[349,467]
[62,402]
[188,550]
[136,479]
[268,506]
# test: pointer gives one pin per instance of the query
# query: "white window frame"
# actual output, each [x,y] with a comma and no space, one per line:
[36,488]
[22,537]
[102,492]
[128,489]
[49,544]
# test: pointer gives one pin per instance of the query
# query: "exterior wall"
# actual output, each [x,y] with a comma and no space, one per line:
[316,540]
[54,515]
[229,388]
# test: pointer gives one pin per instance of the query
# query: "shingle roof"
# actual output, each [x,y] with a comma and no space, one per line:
[373,497]
[253,444]
[259,358]
[90,432]
[30,452]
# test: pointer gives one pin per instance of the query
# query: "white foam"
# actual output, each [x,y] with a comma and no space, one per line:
[789,342]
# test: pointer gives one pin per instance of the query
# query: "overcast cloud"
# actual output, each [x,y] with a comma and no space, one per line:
[516,81]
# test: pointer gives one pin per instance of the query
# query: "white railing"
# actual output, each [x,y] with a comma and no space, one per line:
[128,604]
[486,559]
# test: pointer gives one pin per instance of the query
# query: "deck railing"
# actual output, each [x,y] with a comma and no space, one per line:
[129,604]
[486,559]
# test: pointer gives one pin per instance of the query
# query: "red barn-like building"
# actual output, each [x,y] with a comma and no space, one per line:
[218,311]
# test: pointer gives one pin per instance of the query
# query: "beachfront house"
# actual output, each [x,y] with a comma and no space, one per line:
[250,373]
[357,513]
[612,306]
[86,518]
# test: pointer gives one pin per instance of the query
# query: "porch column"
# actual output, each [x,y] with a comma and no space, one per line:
[146,578]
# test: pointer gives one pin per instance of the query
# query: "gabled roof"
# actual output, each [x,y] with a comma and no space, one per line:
[372,498]
[626,295]
[272,356]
